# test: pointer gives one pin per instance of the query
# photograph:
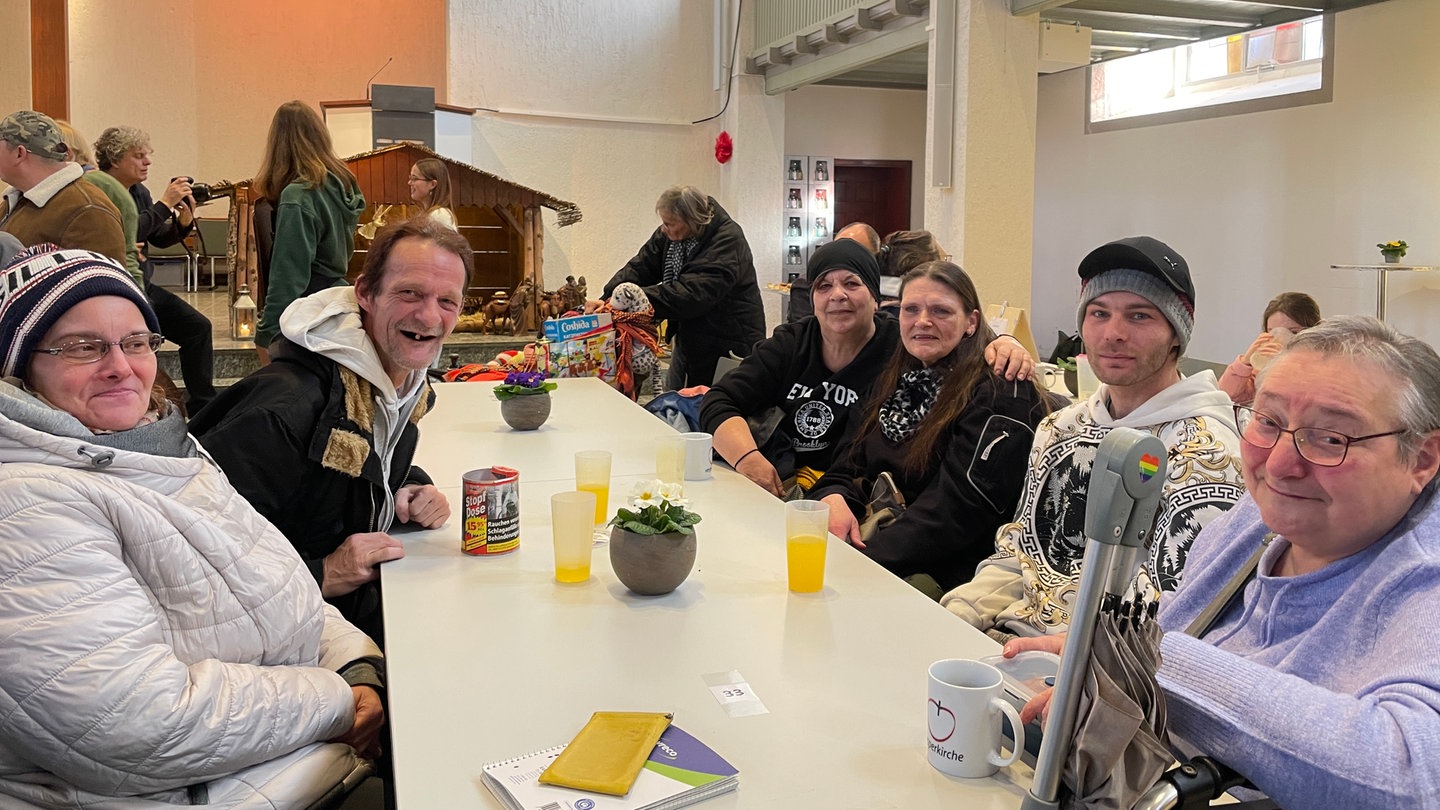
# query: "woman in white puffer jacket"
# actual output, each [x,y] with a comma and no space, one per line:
[160,642]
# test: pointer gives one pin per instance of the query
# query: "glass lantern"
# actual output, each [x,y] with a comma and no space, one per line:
[242,315]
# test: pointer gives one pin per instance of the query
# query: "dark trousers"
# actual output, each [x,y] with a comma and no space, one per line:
[691,366]
[184,326]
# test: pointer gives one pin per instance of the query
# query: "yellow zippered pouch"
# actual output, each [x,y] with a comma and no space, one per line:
[608,753]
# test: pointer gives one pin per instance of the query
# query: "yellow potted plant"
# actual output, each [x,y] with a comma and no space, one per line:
[1392,251]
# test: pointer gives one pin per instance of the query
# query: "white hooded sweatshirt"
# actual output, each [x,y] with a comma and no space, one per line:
[1029,586]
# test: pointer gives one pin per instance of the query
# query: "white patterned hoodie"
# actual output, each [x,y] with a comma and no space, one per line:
[1029,586]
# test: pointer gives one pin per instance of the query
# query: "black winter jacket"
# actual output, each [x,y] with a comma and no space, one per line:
[971,487]
[714,305]
[285,441]
[156,226]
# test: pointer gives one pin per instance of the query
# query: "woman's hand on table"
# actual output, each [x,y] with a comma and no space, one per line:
[842,521]
[1009,358]
[759,469]
[424,504]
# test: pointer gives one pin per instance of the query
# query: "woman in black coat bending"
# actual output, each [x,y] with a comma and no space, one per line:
[699,275]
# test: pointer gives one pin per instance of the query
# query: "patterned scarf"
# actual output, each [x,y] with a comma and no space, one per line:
[676,254]
[904,410]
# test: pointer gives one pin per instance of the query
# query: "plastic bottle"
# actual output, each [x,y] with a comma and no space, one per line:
[1085,378]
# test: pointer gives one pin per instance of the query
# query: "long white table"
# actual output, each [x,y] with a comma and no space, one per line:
[489,658]
[465,431]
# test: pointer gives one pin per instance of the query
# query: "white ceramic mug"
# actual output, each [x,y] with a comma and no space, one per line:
[697,456]
[962,719]
[1049,376]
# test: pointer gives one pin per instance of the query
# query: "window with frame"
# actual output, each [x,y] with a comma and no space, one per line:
[1280,66]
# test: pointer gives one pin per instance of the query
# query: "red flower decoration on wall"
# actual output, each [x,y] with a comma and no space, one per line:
[724,147]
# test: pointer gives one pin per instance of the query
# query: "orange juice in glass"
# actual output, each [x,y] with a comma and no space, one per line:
[592,474]
[806,526]
[570,514]
[602,499]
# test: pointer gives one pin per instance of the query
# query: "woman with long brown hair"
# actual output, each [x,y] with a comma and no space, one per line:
[430,189]
[951,433]
[317,203]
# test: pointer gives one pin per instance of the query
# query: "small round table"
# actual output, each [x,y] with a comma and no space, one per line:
[1382,273]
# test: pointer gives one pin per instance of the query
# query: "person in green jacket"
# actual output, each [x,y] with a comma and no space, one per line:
[317,204]
[114,189]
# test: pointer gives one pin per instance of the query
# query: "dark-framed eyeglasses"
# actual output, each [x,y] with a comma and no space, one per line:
[81,351]
[1325,448]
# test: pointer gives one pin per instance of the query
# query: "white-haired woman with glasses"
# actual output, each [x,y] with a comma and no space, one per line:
[160,643]
[1317,679]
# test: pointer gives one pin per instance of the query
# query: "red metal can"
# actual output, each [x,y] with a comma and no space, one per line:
[491,511]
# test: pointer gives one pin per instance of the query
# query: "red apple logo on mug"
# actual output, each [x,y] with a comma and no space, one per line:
[941,728]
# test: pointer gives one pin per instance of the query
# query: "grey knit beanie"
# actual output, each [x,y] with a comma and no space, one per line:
[1146,286]
[1147,267]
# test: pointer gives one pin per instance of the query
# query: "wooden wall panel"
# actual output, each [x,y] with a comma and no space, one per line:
[49,58]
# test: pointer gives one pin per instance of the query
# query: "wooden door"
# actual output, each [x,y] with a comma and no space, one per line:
[876,192]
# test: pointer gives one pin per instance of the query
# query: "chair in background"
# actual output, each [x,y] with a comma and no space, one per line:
[214,236]
[179,250]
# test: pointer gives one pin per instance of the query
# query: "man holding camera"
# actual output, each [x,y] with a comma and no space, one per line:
[124,153]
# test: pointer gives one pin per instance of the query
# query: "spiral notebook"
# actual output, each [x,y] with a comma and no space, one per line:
[681,770]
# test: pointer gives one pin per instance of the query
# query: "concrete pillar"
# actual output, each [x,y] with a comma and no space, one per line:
[980,125]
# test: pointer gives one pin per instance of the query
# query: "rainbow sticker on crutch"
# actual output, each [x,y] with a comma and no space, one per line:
[1149,465]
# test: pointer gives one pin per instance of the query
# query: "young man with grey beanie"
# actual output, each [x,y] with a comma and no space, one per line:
[1136,314]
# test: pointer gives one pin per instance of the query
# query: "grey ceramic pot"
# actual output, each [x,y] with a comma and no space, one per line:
[651,564]
[527,411]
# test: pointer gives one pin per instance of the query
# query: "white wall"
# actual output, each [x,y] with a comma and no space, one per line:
[1259,203]
[204,79]
[860,123]
[614,85]
[156,91]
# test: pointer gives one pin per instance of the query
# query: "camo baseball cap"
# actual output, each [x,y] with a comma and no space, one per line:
[36,132]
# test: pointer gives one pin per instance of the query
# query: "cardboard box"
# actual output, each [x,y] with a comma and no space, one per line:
[558,329]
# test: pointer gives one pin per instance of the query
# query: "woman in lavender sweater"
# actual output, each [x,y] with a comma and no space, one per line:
[1319,682]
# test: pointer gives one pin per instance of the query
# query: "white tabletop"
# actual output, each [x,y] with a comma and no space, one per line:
[465,432]
[1412,268]
[490,658]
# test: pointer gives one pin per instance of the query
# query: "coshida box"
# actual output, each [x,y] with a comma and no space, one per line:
[586,350]
[575,326]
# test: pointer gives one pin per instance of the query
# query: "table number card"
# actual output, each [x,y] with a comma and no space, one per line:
[733,693]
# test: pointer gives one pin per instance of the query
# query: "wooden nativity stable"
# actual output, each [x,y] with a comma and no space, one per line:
[500,219]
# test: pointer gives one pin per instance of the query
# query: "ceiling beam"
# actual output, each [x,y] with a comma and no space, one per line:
[1313,7]
[1019,8]
[1135,20]
[1177,10]
[852,57]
